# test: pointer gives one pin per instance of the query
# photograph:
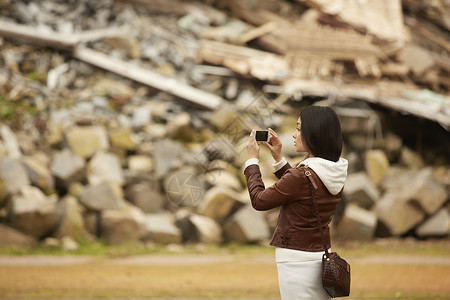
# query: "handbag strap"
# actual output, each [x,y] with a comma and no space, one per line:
[313,187]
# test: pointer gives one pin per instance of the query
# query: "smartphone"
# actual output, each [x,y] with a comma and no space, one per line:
[262,135]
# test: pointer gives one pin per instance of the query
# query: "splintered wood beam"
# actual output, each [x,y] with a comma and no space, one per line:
[163,83]
[22,33]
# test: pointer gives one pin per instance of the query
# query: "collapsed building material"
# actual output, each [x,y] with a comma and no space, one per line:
[383,18]
[147,77]
[243,60]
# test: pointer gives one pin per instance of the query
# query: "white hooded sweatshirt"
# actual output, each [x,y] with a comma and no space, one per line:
[332,174]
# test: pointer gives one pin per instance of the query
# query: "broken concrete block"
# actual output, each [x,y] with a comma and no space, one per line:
[411,159]
[123,138]
[377,165]
[39,173]
[424,189]
[247,226]
[72,222]
[13,174]
[160,228]
[357,224]
[10,142]
[10,237]
[218,203]
[397,215]
[34,213]
[200,229]
[102,196]
[122,226]
[140,163]
[359,189]
[86,140]
[180,127]
[67,167]
[436,225]
[103,167]
[146,196]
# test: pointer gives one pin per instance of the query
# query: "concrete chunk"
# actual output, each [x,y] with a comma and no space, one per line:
[359,189]
[357,224]
[86,140]
[247,226]
[398,215]
[102,196]
[436,225]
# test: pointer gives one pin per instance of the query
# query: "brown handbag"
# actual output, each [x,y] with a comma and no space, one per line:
[335,270]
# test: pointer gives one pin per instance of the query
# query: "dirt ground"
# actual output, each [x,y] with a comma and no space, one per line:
[396,275]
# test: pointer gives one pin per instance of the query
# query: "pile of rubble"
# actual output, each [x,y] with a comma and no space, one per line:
[126,121]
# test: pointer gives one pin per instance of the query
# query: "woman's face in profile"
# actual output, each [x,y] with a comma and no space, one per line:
[297,135]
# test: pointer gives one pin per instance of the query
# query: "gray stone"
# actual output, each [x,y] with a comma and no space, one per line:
[86,140]
[356,224]
[161,229]
[436,225]
[247,226]
[141,116]
[167,156]
[10,142]
[13,174]
[424,189]
[122,226]
[377,165]
[184,188]
[396,214]
[39,173]
[72,223]
[69,244]
[102,196]
[411,159]
[67,167]
[209,231]
[105,167]
[359,189]
[156,131]
[218,203]
[10,237]
[33,213]
[140,163]
[123,138]
[223,117]
[180,127]
[92,222]
[199,229]
[146,196]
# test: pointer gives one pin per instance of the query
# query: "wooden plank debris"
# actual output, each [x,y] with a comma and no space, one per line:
[32,35]
[257,32]
[166,84]
[245,61]
[400,97]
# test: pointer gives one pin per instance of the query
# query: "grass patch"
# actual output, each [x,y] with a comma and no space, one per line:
[101,249]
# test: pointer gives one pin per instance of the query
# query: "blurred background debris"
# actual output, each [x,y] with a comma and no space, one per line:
[125,121]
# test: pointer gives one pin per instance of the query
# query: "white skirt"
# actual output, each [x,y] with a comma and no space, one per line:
[301,280]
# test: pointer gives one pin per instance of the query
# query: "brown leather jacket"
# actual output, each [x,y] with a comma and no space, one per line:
[297,226]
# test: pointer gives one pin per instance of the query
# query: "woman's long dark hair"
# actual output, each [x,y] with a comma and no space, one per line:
[321,132]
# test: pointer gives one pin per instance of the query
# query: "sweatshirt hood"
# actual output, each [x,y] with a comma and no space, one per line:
[332,174]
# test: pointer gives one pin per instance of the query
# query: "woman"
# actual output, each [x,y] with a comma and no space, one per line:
[297,237]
